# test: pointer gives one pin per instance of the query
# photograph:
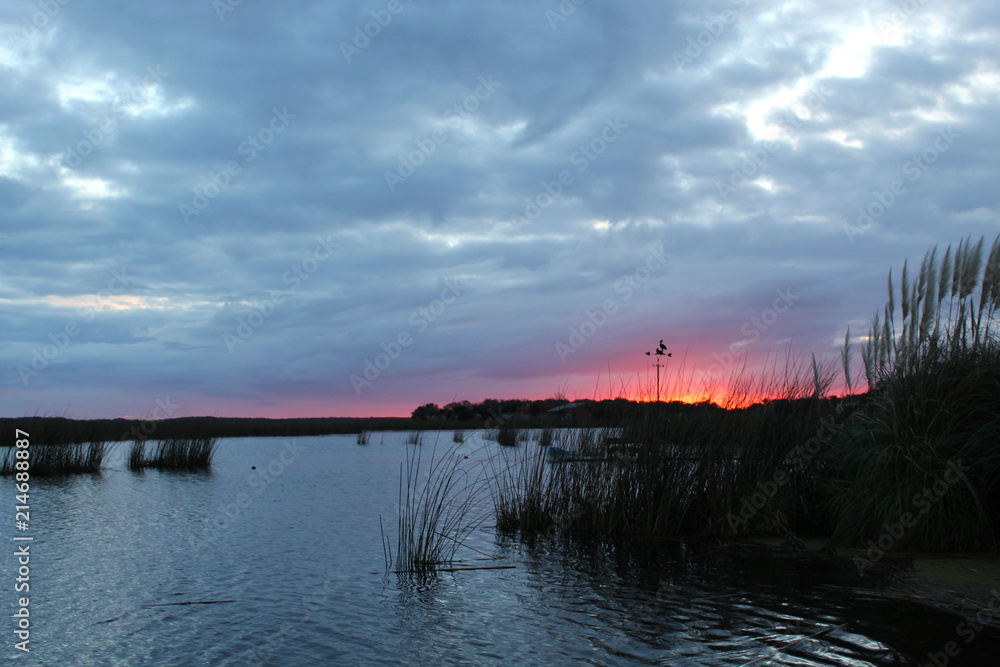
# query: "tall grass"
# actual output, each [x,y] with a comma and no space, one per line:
[440,504]
[507,435]
[173,454]
[49,460]
[663,473]
[933,369]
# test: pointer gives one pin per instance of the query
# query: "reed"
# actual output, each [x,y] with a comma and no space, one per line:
[519,486]
[668,473]
[458,436]
[933,371]
[440,505]
[172,454]
[415,438]
[46,460]
[364,437]
[507,435]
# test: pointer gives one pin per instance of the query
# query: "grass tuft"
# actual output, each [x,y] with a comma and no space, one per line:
[172,454]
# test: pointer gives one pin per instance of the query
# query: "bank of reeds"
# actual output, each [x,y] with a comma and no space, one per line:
[45,460]
[932,362]
[172,454]
[662,475]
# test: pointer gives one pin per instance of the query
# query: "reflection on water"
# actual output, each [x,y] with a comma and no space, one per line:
[289,558]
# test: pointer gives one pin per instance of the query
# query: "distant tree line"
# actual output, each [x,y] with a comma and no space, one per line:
[499,409]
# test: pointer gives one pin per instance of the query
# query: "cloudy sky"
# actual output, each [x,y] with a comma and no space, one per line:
[352,208]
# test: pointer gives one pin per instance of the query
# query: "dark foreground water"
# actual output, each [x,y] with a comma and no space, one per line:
[294,551]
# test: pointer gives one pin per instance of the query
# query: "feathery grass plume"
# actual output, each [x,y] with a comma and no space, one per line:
[904,294]
[930,302]
[845,359]
[868,361]
[934,407]
[944,279]
[995,264]
[891,307]
[971,264]
[956,271]
[991,279]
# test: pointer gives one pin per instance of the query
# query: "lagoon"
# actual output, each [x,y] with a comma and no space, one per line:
[275,557]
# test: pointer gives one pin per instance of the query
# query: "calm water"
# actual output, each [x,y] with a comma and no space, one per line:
[295,547]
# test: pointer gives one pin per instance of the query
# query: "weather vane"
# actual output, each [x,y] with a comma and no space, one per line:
[659,352]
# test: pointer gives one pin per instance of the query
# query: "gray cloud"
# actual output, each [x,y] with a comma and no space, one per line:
[807,112]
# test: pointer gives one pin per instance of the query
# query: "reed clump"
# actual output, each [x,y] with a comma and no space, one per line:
[171,454]
[415,438]
[927,441]
[441,505]
[45,460]
[663,472]
[364,437]
[508,436]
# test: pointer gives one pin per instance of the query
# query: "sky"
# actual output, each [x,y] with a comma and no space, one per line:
[289,209]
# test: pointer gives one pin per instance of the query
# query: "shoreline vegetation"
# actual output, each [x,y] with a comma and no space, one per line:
[908,460]
[912,464]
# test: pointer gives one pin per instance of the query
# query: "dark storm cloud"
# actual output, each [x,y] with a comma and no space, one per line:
[289,195]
